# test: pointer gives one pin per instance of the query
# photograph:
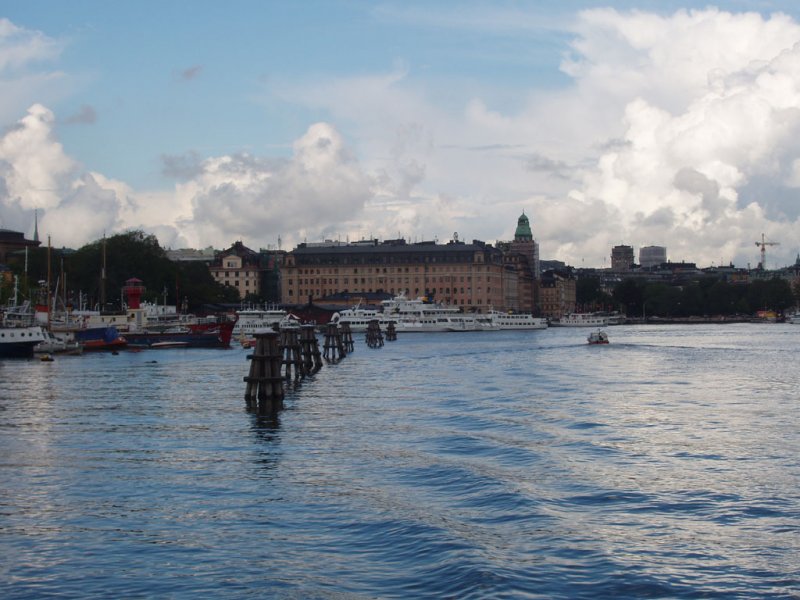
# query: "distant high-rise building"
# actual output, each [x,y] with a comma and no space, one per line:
[652,256]
[621,258]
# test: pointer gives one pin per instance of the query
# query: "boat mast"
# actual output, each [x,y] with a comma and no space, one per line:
[103,277]
[64,290]
[49,274]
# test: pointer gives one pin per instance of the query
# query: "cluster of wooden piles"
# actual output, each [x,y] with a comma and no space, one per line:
[291,354]
[278,358]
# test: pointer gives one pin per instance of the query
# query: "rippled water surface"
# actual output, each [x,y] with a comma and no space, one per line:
[492,465]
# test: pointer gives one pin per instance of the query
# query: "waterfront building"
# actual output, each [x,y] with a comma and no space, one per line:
[652,256]
[238,267]
[557,289]
[472,276]
[621,259]
[521,260]
[12,242]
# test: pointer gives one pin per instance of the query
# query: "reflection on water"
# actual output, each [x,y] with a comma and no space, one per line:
[265,430]
[502,464]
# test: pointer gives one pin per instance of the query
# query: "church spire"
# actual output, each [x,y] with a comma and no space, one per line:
[35,224]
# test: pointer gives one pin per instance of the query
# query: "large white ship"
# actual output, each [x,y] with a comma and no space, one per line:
[509,320]
[358,318]
[417,315]
[254,320]
[581,320]
[413,316]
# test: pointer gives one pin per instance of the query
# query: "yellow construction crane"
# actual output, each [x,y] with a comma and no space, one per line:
[763,244]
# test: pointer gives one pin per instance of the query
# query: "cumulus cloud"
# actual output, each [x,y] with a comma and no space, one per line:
[686,173]
[37,174]
[35,166]
[321,186]
[321,189]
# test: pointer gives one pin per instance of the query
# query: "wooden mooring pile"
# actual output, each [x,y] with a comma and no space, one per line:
[347,337]
[333,347]
[374,336]
[309,347]
[264,391]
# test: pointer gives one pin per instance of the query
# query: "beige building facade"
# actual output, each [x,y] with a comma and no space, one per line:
[557,293]
[472,276]
[238,267]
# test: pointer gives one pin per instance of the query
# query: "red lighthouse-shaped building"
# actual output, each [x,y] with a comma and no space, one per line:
[133,291]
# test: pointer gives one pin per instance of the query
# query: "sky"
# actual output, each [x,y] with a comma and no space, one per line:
[674,124]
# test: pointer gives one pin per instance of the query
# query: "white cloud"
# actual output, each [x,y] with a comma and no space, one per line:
[20,47]
[320,190]
[35,165]
[24,79]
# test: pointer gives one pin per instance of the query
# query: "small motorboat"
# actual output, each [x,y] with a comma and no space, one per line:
[598,337]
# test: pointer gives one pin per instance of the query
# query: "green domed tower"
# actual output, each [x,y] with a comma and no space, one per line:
[523,232]
[525,244]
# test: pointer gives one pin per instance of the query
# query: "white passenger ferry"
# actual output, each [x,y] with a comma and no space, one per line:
[254,320]
[358,318]
[510,320]
[581,320]
[419,316]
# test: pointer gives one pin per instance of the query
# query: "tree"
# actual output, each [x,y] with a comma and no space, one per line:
[661,299]
[127,255]
[589,293]
[195,283]
[630,295]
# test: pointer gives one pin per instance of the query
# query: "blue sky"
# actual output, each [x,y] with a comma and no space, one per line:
[207,122]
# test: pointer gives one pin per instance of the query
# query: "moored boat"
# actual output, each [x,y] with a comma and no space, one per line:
[206,334]
[463,323]
[99,338]
[419,315]
[358,318]
[55,345]
[19,342]
[253,320]
[512,320]
[581,320]
[18,333]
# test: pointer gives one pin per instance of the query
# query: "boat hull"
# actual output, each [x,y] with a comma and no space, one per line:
[216,335]
[19,342]
[99,338]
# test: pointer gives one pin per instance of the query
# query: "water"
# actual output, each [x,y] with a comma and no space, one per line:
[487,465]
